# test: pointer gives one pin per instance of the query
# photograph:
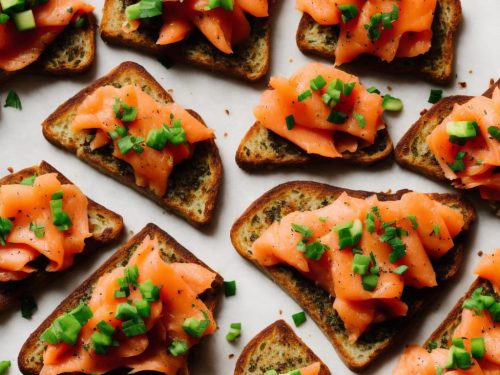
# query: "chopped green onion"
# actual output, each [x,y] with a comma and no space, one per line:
[144,9]
[435,96]
[4,18]
[28,307]
[120,131]
[305,95]
[458,165]
[360,264]
[373,90]
[125,310]
[82,313]
[299,318]
[435,230]
[458,359]
[39,230]
[460,132]
[401,269]
[369,282]
[131,274]
[431,346]
[303,230]
[123,111]
[28,181]
[392,104]
[347,88]
[106,328]
[4,366]
[143,308]
[494,132]
[349,233]
[290,122]
[80,22]
[360,119]
[149,291]
[178,347]
[349,12]
[314,250]
[234,332]
[100,342]
[477,347]
[13,100]
[195,327]
[495,311]
[227,4]
[336,117]
[173,134]
[134,327]
[318,83]
[413,220]
[230,288]
[370,222]
[130,142]
[67,328]
[458,342]
[5,228]
[60,218]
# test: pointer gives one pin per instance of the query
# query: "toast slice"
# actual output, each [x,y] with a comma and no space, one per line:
[250,60]
[412,151]
[193,185]
[435,65]
[262,148]
[105,226]
[305,195]
[276,347]
[30,358]
[73,52]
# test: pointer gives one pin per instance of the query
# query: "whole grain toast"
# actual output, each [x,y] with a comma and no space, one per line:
[262,148]
[306,195]
[250,60]
[193,185]
[412,150]
[30,360]
[73,52]
[105,226]
[278,348]
[435,65]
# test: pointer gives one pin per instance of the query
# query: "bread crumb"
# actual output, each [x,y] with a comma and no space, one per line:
[492,81]
[389,88]
[471,71]
[231,355]
[389,191]
[280,312]
[290,61]
[170,91]
[462,85]
[423,111]
[227,111]
[225,134]
[131,232]
[480,253]
[10,169]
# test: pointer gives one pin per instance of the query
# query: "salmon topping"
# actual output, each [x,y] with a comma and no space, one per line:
[323,110]
[474,347]
[151,137]
[384,28]
[31,226]
[18,49]
[163,343]
[471,159]
[225,24]
[364,251]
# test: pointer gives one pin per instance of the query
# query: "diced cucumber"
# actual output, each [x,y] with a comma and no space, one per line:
[24,20]
[12,6]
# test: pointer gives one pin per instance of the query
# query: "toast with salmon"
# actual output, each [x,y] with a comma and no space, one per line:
[193,186]
[105,227]
[30,358]
[304,195]
[435,65]
[249,61]
[278,348]
[413,152]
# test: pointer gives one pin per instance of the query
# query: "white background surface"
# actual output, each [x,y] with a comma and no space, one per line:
[258,302]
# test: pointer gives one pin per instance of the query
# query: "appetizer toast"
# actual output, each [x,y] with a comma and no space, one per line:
[435,65]
[193,185]
[30,358]
[301,196]
[105,227]
[413,152]
[276,347]
[250,60]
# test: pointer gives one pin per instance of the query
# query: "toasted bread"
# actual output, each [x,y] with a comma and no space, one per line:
[193,185]
[105,226]
[435,65]
[250,60]
[304,195]
[262,148]
[278,348]
[73,52]
[30,358]
[412,151]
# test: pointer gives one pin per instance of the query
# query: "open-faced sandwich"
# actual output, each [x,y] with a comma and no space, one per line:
[404,35]
[458,140]
[128,127]
[227,36]
[320,113]
[360,264]
[46,225]
[46,36]
[142,310]
[468,340]
[277,350]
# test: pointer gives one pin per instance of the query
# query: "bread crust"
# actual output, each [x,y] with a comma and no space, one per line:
[30,361]
[306,195]
[278,337]
[205,164]
[11,292]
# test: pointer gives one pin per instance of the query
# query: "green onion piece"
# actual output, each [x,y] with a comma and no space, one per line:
[28,307]
[131,274]
[458,165]
[13,100]
[144,9]
[5,228]
[435,230]
[4,366]
[120,131]
[360,119]
[124,111]
[290,122]
[178,347]
[134,327]
[143,308]
[317,83]
[348,87]
[124,290]
[357,250]
[360,264]
[349,11]
[303,230]
[392,104]
[314,250]
[4,18]
[477,347]
[60,218]
[413,220]
[149,291]
[323,219]
[50,336]
[435,96]
[299,318]
[100,342]
[431,346]
[369,282]
[195,327]
[67,328]
[399,249]
[130,142]
[349,233]
[494,132]
[227,4]
[106,328]
[39,230]
[234,332]
[460,132]
[373,90]
[401,269]
[230,288]
[495,312]
[305,95]
[28,181]
[212,4]
[458,342]
[370,222]
[80,22]
[125,310]
[336,117]
[82,313]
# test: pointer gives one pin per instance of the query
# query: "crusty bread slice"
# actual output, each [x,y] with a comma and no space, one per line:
[305,195]
[412,150]
[73,52]
[435,65]
[30,358]
[193,185]
[262,148]
[105,226]
[250,60]
[276,347]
